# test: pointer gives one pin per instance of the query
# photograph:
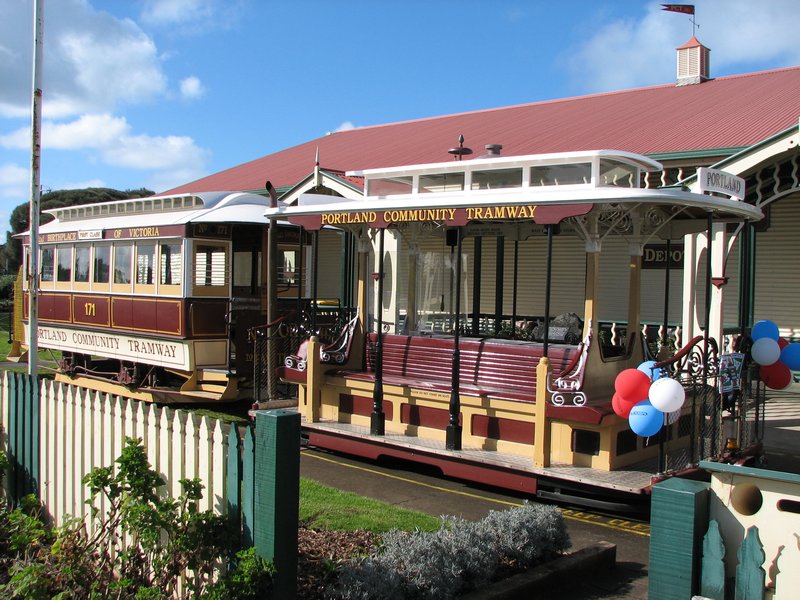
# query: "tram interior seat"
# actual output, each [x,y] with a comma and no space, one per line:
[504,370]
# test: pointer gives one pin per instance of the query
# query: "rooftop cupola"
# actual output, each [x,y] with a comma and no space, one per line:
[693,62]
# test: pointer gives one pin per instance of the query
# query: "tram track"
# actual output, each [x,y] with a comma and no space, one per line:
[619,523]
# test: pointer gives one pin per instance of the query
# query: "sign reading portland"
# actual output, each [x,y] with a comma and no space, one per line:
[721,182]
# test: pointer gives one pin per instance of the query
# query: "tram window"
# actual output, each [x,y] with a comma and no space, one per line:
[496,179]
[64,264]
[122,264]
[390,186]
[442,182]
[170,264]
[82,264]
[287,270]
[209,266]
[47,261]
[102,263]
[243,269]
[145,263]
[617,174]
[626,442]
[561,174]
[586,442]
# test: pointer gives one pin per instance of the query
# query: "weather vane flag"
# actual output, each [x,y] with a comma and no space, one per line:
[686,9]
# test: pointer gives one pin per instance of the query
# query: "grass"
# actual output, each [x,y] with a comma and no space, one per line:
[46,357]
[323,507]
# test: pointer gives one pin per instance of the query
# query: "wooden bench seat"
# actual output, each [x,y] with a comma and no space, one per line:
[494,368]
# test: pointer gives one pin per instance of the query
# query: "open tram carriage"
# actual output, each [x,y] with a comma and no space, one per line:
[160,294]
[492,285]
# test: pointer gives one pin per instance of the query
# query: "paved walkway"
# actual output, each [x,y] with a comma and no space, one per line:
[782,429]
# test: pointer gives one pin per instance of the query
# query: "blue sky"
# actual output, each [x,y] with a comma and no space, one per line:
[155,93]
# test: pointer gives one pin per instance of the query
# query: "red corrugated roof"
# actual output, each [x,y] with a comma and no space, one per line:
[734,111]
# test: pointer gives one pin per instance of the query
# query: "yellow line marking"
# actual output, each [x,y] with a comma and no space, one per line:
[564,511]
[419,483]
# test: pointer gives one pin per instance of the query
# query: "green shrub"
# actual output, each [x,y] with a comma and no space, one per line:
[139,548]
[460,556]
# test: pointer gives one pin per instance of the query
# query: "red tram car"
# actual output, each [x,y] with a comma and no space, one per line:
[160,293]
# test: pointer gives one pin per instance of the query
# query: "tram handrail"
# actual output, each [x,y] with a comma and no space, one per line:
[675,358]
[677,363]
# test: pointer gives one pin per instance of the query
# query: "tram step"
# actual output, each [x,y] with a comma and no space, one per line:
[217,384]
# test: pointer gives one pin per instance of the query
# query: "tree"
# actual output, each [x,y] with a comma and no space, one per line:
[11,251]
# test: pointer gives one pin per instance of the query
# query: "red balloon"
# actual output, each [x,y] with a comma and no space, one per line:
[621,406]
[776,376]
[782,343]
[632,384]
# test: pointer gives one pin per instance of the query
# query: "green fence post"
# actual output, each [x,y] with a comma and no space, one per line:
[278,494]
[248,487]
[678,522]
[234,483]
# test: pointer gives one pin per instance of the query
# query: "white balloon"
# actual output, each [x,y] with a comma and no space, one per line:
[765,351]
[667,395]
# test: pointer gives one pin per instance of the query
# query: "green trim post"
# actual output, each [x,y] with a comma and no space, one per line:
[678,522]
[277,494]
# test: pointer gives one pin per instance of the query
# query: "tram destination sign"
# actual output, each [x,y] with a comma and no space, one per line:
[720,182]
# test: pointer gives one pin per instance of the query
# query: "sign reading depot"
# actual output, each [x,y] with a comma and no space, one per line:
[147,350]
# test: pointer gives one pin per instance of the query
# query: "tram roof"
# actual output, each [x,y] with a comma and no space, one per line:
[203,207]
[588,179]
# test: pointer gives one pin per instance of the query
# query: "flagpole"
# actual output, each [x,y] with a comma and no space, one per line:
[36,149]
[686,9]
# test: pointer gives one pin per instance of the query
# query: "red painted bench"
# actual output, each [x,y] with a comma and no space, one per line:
[499,369]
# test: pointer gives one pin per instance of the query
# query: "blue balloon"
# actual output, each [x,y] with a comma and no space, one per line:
[647,368]
[645,419]
[790,356]
[764,329]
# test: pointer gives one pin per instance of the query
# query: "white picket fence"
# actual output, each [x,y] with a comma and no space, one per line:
[82,429]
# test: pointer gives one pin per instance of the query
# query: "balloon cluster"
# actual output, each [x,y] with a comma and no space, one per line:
[777,357]
[644,395]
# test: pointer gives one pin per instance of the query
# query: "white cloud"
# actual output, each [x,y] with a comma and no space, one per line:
[93,61]
[637,52]
[81,185]
[111,141]
[167,12]
[192,87]
[15,181]
[155,153]
[346,126]
[190,16]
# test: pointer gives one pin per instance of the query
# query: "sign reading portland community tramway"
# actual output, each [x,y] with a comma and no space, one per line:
[151,351]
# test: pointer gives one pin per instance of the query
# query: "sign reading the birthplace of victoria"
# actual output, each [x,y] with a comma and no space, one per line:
[720,182]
